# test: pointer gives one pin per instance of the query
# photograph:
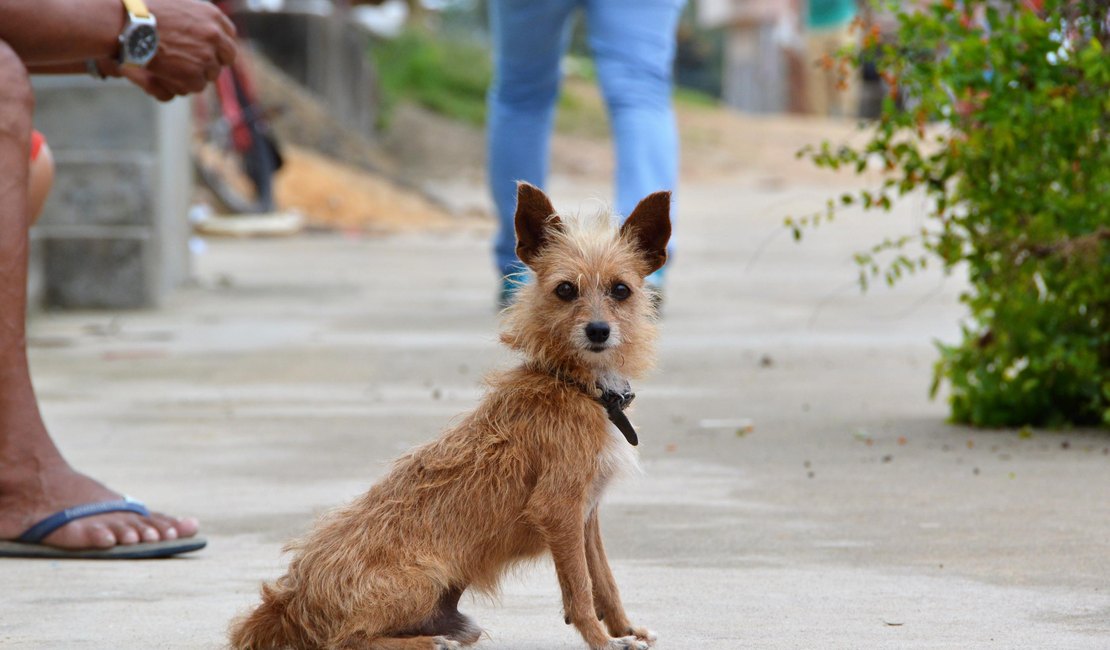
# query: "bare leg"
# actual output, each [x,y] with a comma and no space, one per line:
[35,481]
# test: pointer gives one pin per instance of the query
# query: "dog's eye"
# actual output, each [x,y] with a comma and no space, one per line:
[566,291]
[620,291]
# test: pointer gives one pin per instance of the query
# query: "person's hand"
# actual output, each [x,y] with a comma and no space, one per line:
[150,84]
[141,77]
[195,40]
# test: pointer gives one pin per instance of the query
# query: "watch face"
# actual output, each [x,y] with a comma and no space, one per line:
[141,44]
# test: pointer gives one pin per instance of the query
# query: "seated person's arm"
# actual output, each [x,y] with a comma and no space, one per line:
[195,40]
[60,31]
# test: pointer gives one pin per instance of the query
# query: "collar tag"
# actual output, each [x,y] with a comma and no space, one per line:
[614,404]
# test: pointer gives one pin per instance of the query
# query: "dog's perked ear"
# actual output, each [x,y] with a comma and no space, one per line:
[535,216]
[649,228]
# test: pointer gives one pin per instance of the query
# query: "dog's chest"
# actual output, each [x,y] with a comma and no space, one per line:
[617,458]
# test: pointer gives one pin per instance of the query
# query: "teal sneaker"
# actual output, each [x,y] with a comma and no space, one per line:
[507,294]
[510,285]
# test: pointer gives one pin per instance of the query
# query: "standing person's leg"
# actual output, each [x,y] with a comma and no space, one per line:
[529,38]
[633,43]
[35,481]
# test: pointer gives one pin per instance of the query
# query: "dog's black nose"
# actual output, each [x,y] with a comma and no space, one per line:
[597,332]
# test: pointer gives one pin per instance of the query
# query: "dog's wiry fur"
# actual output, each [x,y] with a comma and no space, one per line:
[519,476]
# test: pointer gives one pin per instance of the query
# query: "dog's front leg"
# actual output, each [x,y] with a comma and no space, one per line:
[562,523]
[607,597]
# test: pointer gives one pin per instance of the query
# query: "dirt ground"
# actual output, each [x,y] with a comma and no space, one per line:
[717,144]
[338,196]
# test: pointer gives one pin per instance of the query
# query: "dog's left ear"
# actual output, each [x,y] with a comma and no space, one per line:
[534,217]
[649,228]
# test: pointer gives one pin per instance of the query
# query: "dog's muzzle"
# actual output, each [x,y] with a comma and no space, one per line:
[597,333]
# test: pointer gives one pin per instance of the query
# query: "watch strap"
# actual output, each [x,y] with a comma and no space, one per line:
[137,8]
[92,66]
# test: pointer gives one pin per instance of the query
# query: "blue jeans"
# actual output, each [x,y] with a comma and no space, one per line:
[633,45]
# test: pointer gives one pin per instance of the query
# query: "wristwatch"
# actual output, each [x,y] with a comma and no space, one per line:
[138,42]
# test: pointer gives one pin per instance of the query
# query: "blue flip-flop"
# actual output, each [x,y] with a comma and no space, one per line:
[29,544]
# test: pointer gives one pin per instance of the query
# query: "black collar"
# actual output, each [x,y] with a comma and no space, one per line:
[615,402]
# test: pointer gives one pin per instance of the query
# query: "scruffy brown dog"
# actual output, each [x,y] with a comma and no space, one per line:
[519,476]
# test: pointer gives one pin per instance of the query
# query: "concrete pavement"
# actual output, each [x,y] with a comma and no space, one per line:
[800,489]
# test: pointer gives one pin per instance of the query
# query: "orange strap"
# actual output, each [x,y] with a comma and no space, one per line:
[137,8]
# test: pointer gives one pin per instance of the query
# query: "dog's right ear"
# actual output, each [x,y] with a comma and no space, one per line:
[535,216]
[649,228]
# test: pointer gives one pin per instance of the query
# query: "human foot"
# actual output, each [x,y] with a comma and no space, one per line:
[27,496]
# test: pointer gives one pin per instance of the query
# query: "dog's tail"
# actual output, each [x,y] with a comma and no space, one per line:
[267,627]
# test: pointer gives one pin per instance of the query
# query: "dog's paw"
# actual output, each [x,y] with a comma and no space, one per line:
[627,643]
[443,643]
[645,635]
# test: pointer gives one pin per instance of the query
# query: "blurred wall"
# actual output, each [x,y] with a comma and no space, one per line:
[328,56]
[755,74]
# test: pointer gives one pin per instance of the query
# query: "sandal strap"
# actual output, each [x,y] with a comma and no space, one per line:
[39,531]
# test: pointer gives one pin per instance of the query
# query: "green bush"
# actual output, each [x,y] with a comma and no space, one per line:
[1005,130]
[448,76]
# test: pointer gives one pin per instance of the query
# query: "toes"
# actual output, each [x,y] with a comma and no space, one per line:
[125,531]
[443,643]
[158,527]
[96,535]
[149,533]
[109,529]
[186,527]
[82,534]
[166,526]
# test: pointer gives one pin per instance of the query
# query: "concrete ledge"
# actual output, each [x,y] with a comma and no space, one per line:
[96,188]
[83,113]
[106,272]
[113,233]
